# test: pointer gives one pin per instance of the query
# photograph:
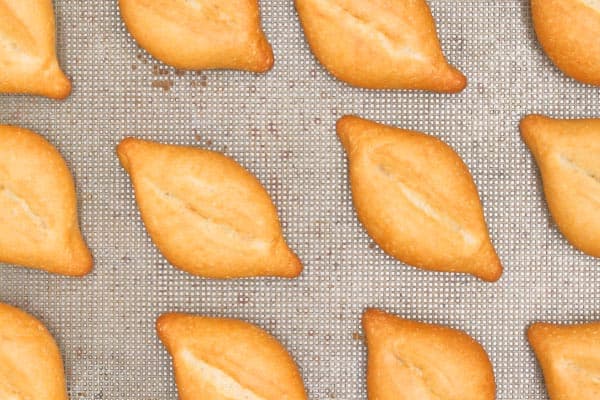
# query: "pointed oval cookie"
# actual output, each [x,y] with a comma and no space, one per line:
[205,213]
[38,206]
[410,360]
[30,363]
[408,188]
[570,359]
[220,358]
[568,155]
[569,32]
[379,44]
[28,62]
[200,34]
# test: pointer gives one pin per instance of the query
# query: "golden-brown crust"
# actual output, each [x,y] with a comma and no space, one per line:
[569,356]
[206,214]
[200,34]
[409,187]
[28,62]
[30,363]
[379,44]
[38,206]
[568,155]
[568,31]
[410,360]
[220,358]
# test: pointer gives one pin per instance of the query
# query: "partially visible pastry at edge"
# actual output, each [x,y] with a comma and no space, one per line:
[30,363]
[568,155]
[28,62]
[200,34]
[409,360]
[570,359]
[379,44]
[38,206]
[569,32]
[220,358]
[205,213]
[416,199]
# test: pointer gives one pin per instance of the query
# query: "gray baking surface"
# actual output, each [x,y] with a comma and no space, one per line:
[281,126]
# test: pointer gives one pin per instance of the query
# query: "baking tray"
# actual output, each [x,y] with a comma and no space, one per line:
[280,126]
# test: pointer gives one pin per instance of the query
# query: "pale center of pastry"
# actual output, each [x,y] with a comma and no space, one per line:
[584,371]
[595,4]
[412,378]
[17,207]
[215,228]
[225,384]
[396,43]
[420,203]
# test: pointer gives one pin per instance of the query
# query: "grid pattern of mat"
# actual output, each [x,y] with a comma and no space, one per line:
[281,127]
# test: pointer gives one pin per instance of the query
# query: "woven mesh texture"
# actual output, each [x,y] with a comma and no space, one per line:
[281,126]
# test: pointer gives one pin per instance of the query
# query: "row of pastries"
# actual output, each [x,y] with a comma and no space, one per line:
[211,217]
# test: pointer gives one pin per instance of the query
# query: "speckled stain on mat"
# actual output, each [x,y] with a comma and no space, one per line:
[281,126]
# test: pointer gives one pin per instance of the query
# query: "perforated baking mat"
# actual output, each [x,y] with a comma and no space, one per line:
[281,126]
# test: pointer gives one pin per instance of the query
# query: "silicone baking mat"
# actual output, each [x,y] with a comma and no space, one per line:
[281,126]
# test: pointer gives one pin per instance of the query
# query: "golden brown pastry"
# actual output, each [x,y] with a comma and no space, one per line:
[31,367]
[200,34]
[410,360]
[416,199]
[570,359]
[568,154]
[379,44]
[38,206]
[205,213]
[28,62]
[569,32]
[222,359]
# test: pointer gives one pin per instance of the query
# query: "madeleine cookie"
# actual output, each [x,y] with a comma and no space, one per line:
[28,62]
[569,32]
[38,206]
[379,44]
[410,360]
[219,358]
[30,362]
[568,155]
[408,188]
[200,34]
[570,359]
[206,214]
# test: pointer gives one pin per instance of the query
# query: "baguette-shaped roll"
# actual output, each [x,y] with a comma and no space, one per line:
[206,214]
[379,44]
[28,62]
[417,199]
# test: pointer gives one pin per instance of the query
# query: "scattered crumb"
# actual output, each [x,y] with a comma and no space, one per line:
[357,336]
[179,72]
[134,67]
[372,246]
[197,138]
[164,85]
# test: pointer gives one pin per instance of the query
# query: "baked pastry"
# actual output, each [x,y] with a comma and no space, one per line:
[219,358]
[408,188]
[38,206]
[30,362]
[200,34]
[568,31]
[410,360]
[570,359]
[568,155]
[205,213]
[379,44]
[28,62]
